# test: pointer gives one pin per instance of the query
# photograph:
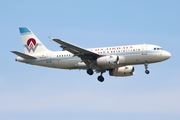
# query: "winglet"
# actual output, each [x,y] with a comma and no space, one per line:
[50,38]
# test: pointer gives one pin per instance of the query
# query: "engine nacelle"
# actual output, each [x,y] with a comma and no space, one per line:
[122,71]
[110,60]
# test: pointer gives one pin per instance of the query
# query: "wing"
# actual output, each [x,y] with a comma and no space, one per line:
[84,54]
[74,49]
[87,56]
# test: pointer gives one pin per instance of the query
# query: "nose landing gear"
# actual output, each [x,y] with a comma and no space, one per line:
[147,71]
[146,67]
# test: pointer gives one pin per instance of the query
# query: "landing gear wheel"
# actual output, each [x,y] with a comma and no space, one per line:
[90,72]
[147,71]
[100,78]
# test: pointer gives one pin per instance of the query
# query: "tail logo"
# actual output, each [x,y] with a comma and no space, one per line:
[31,45]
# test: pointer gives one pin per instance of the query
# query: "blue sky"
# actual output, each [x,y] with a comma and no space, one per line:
[33,92]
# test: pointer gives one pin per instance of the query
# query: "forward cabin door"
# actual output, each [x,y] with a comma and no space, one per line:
[144,49]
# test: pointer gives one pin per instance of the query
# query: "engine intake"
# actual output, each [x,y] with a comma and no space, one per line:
[122,71]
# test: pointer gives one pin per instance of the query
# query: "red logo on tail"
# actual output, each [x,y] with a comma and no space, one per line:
[31,45]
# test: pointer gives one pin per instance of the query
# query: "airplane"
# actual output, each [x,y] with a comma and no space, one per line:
[117,60]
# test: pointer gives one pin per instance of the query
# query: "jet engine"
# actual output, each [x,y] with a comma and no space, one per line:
[122,71]
[110,60]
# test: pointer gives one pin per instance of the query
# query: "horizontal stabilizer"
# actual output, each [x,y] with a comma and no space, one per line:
[25,56]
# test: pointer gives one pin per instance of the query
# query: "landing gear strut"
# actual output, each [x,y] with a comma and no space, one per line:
[90,71]
[146,67]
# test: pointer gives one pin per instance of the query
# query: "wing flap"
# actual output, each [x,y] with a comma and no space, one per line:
[25,56]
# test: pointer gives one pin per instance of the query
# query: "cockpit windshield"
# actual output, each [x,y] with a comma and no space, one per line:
[158,49]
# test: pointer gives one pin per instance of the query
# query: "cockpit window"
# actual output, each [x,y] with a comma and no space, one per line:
[158,49]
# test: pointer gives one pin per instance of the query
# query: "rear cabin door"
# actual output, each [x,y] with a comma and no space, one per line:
[48,57]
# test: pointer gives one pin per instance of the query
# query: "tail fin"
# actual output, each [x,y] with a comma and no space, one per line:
[32,45]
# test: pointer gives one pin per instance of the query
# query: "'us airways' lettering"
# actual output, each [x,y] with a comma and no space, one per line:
[114,48]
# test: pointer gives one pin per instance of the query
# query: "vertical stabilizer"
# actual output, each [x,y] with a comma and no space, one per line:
[32,45]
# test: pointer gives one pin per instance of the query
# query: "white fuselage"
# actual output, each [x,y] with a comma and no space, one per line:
[133,54]
[116,60]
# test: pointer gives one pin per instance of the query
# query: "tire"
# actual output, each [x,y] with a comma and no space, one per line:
[90,72]
[100,78]
[147,72]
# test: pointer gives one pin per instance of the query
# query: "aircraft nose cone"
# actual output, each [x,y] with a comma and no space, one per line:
[168,55]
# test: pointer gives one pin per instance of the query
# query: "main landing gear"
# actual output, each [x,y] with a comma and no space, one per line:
[90,71]
[100,78]
[146,67]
